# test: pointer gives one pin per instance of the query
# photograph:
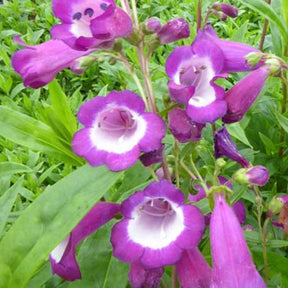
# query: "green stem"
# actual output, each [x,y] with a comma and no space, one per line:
[265,257]
[176,149]
[134,9]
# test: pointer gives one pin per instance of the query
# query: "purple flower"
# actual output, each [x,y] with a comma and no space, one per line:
[153,157]
[183,128]
[39,64]
[257,175]
[116,129]
[174,30]
[233,52]
[227,9]
[63,258]
[282,221]
[90,23]
[242,95]
[232,264]
[157,227]
[193,270]
[224,146]
[140,277]
[192,71]
[153,25]
[238,207]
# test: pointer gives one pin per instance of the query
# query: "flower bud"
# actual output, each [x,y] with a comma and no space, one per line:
[174,30]
[153,25]
[274,207]
[257,175]
[227,9]
[253,58]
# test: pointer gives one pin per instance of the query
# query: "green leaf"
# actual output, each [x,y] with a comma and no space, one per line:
[268,12]
[98,267]
[277,244]
[10,168]
[238,132]
[6,203]
[285,11]
[269,145]
[61,107]
[34,134]
[282,120]
[48,220]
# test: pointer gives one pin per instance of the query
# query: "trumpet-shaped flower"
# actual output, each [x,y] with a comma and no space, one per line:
[90,23]
[242,95]
[63,258]
[116,129]
[232,263]
[39,64]
[157,227]
[192,71]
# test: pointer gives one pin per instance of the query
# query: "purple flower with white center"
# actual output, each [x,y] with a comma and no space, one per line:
[90,23]
[224,146]
[233,52]
[242,95]
[116,130]
[232,263]
[157,227]
[63,258]
[192,71]
[183,128]
[193,270]
[39,64]
[174,30]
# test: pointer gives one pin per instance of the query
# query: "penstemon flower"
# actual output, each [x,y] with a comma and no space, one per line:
[39,64]
[88,23]
[157,227]
[232,264]
[116,130]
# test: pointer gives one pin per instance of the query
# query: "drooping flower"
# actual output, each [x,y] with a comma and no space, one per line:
[192,71]
[224,146]
[183,128]
[88,23]
[193,270]
[157,227]
[63,258]
[232,263]
[242,95]
[39,64]
[116,129]
[257,175]
[174,30]
[233,52]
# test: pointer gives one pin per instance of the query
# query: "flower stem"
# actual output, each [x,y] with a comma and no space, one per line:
[264,31]
[174,278]
[265,258]
[134,9]
[199,10]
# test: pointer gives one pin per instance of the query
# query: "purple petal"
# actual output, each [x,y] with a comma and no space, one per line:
[63,260]
[182,127]
[240,211]
[180,93]
[232,263]
[140,277]
[242,95]
[153,157]
[224,146]
[174,30]
[39,64]
[258,175]
[193,270]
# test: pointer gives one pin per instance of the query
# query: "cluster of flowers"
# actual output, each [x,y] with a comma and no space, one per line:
[157,227]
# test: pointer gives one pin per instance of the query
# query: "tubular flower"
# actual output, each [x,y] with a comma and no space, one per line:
[183,128]
[157,227]
[242,95]
[224,146]
[116,129]
[39,64]
[192,71]
[233,52]
[232,264]
[63,258]
[193,270]
[90,23]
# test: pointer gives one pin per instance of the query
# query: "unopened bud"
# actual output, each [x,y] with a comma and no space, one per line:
[257,175]
[152,25]
[253,58]
[227,9]
[220,163]
[274,207]
[274,66]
